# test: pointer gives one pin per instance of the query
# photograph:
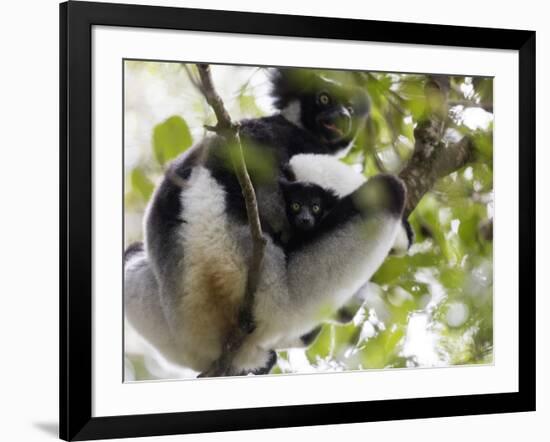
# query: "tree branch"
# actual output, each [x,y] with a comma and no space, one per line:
[432,159]
[230,131]
[424,169]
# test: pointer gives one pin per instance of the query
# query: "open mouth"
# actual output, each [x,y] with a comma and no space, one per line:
[334,129]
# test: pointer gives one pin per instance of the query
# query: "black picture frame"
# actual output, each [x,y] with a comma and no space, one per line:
[76,21]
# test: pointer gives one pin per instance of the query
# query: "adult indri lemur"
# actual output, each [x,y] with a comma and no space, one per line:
[183,289]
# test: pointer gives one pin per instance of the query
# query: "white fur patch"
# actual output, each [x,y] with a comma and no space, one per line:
[293,113]
[327,172]
[213,280]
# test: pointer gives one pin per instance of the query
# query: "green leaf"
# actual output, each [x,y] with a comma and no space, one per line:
[390,270]
[392,338]
[468,230]
[321,345]
[170,138]
[483,145]
[425,259]
[374,354]
[141,183]
[452,278]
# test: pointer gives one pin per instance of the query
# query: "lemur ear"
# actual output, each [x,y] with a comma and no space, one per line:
[287,84]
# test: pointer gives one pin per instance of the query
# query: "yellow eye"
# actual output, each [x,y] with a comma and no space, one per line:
[295,207]
[324,99]
[316,208]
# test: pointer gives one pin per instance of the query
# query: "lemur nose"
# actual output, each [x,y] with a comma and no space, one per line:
[305,222]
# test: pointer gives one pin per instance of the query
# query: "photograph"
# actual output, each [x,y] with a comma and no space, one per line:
[285,220]
[274,220]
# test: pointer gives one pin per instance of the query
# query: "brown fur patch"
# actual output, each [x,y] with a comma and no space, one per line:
[224,290]
[210,310]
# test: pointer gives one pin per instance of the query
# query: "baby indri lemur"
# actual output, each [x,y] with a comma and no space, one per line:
[306,205]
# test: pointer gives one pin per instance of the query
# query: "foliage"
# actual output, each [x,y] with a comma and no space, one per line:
[170,138]
[433,306]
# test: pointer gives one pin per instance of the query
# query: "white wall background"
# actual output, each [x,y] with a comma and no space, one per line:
[29,217]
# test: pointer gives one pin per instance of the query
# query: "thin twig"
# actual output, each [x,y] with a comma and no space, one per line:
[230,131]
[193,79]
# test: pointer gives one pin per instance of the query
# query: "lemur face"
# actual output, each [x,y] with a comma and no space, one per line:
[328,104]
[306,204]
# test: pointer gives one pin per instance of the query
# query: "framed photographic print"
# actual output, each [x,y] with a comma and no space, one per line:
[272,220]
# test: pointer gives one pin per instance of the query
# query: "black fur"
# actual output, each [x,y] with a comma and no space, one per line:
[309,337]
[345,314]
[304,220]
[409,231]
[332,105]
[269,365]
